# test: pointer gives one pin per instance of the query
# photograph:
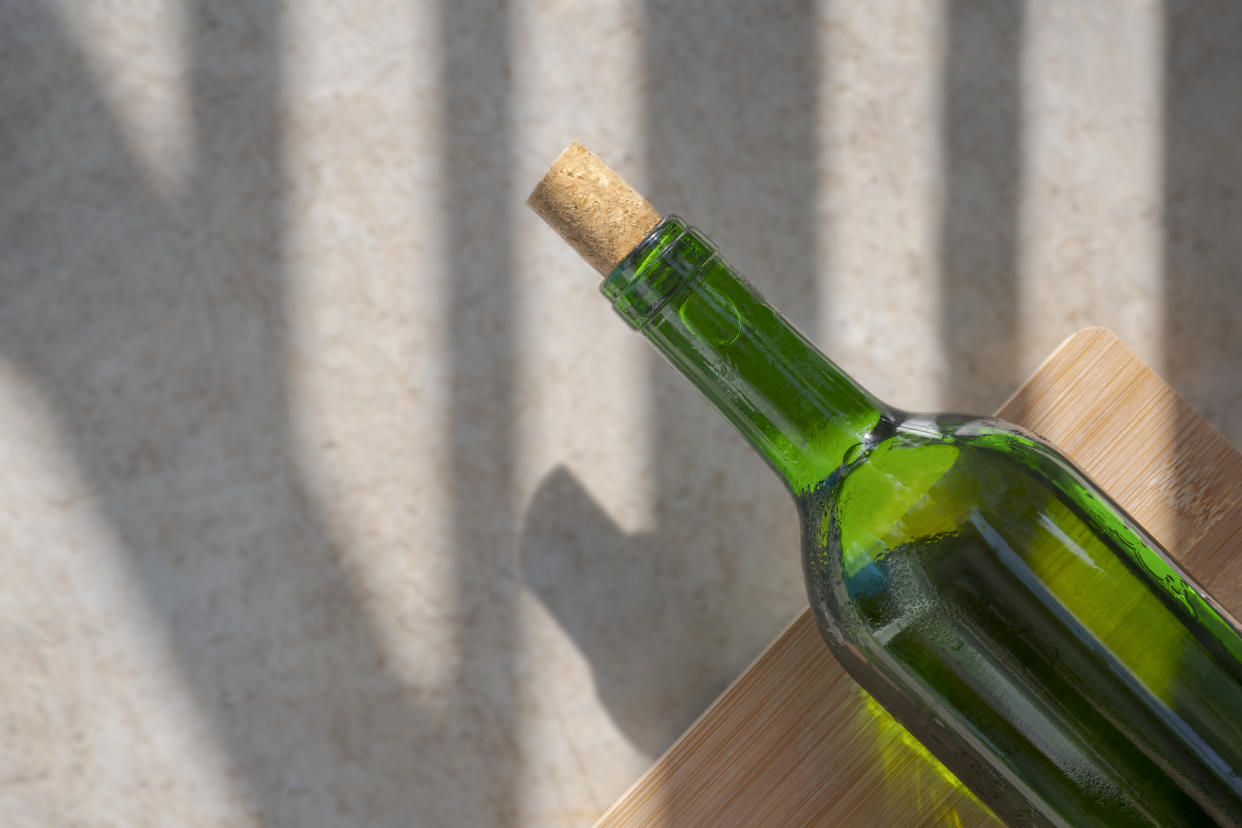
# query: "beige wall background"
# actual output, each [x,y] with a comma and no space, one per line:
[333,492]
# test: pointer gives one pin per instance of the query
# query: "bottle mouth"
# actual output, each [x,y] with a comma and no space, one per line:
[668,259]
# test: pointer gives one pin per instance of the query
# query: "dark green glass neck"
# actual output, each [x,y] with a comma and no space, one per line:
[801,412]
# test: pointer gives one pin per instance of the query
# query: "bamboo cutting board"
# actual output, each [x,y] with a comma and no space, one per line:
[795,742]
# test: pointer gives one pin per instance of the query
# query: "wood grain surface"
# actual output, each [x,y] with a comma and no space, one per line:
[795,742]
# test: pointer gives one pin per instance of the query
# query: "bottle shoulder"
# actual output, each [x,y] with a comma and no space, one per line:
[942,499]
[933,489]
[905,452]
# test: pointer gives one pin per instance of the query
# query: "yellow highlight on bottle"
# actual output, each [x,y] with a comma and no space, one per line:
[911,770]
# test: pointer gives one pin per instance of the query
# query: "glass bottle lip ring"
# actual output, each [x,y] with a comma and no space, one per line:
[629,287]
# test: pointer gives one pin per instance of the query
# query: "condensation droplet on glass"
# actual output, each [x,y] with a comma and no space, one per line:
[851,453]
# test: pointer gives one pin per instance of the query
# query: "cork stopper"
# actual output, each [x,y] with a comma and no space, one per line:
[592,208]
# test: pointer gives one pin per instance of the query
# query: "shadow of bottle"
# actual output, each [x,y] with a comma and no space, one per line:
[664,628]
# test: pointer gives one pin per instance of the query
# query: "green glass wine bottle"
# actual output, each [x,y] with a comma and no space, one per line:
[969,577]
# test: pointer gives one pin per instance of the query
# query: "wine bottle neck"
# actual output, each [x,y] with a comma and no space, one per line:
[801,412]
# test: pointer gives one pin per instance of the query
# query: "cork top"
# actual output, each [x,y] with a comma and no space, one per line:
[592,208]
